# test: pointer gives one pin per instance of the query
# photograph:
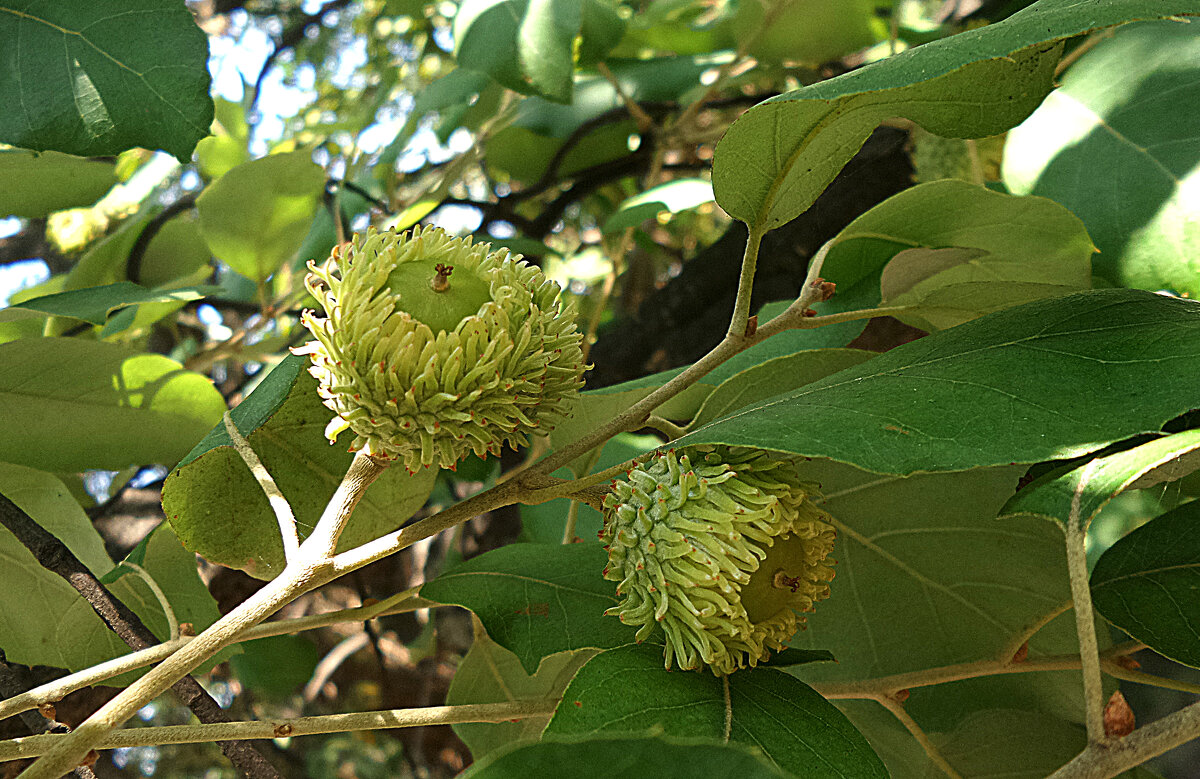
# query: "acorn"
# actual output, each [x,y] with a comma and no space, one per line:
[722,547]
[433,347]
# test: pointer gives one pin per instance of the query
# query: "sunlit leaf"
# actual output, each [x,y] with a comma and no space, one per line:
[114,407]
[76,637]
[1116,143]
[33,185]
[255,217]
[779,156]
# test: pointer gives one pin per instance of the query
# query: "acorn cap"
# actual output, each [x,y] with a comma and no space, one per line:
[432,347]
[720,546]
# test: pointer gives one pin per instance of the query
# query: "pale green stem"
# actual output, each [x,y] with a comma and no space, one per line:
[54,691]
[572,521]
[312,567]
[279,504]
[33,746]
[897,710]
[363,471]
[666,427]
[741,305]
[159,595]
[1085,619]
[850,316]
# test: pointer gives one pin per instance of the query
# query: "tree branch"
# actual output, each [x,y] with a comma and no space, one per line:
[512,711]
[54,556]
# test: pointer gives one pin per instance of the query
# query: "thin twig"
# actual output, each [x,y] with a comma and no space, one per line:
[55,557]
[279,504]
[1085,618]
[897,710]
[159,595]
[1100,761]
[34,746]
[53,691]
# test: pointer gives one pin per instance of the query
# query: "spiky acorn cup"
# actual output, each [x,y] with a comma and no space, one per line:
[721,546]
[431,347]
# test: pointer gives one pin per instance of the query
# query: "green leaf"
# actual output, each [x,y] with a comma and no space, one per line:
[926,576]
[176,252]
[528,45]
[1080,493]
[1024,745]
[981,251]
[774,376]
[489,673]
[96,79]
[627,690]
[1048,380]
[792,657]
[32,185]
[256,216]
[95,304]
[69,634]
[536,600]
[780,155]
[1116,144]
[988,743]
[1145,584]
[226,148]
[672,197]
[221,513]
[276,666]
[114,407]
[545,523]
[657,757]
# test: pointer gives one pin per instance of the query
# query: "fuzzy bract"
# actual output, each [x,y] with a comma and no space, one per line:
[426,397]
[721,547]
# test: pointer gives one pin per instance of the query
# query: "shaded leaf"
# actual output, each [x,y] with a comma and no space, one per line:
[276,666]
[255,217]
[1081,492]
[75,637]
[780,155]
[114,407]
[657,757]
[489,673]
[96,304]
[926,576]
[93,78]
[954,251]
[627,690]
[32,185]
[220,512]
[1048,380]
[1116,143]
[774,376]
[1147,584]
[536,600]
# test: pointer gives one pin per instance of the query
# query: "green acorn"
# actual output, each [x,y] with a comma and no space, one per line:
[431,347]
[721,546]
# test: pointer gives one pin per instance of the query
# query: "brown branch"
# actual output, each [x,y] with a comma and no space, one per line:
[34,721]
[55,557]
